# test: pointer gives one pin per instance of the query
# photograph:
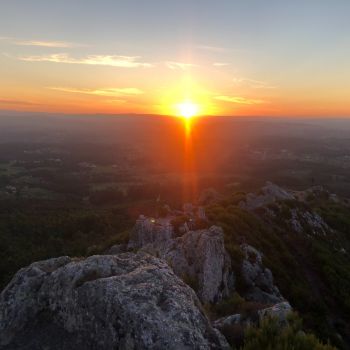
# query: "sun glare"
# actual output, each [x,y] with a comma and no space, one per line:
[187,109]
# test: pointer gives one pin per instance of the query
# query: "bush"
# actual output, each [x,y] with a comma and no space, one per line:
[269,335]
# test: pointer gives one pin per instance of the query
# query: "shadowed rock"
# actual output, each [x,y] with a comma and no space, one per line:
[259,280]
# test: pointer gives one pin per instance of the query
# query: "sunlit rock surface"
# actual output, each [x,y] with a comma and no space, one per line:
[125,301]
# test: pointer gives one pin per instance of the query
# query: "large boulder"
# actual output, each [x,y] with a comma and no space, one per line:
[199,258]
[258,279]
[126,301]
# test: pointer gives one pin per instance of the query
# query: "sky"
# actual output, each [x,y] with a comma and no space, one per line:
[229,57]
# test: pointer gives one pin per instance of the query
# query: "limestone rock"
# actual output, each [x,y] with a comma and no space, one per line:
[279,311]
[258,279]
[148,230]
[125,301]
[199,257]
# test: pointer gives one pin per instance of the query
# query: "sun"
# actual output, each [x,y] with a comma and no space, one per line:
[188,109]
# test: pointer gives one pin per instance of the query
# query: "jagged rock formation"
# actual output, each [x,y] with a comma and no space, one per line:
[259,280]
[199,257]
[126,301]
[301,219]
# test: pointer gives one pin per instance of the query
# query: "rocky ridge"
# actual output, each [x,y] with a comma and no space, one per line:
[299,219]
[127,301]
[139,299]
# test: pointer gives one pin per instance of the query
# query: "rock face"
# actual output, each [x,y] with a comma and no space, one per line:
[258,279]
[150,231]
[199,257]
[126,301]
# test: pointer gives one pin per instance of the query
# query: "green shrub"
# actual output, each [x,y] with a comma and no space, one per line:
[270,335]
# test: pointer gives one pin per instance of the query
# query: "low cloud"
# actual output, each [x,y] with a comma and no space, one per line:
[239,100]
[95,60]
[54,44]
[17,102]
[252,83]
[109,92]
[179,65]
[40,43]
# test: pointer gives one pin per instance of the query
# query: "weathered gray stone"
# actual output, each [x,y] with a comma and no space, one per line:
[149,230]
[279,311]
[199,257]
[125,301]
[258,279]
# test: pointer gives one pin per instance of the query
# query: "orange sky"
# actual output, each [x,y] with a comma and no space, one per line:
[236,59]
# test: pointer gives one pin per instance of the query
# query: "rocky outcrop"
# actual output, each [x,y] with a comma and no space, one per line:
[308,221]
[258,279]
[280,311]
[126,301]
[150,231]
[270,193]
[198,257]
